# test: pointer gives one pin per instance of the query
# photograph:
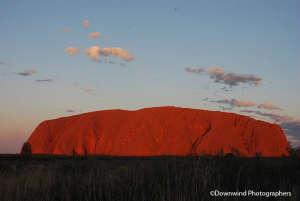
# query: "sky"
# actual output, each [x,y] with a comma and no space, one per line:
[60,58]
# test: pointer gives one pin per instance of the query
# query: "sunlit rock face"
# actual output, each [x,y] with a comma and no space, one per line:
[159,131]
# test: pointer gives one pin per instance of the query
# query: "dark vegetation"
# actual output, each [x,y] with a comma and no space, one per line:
[295,152]
[60,178]
[26,149]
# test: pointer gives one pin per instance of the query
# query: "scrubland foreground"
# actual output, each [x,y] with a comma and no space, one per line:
[96,178]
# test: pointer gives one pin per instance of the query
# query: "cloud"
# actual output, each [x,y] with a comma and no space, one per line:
[225,108]
[70,111]
[2,63]
[290,125]
[89,90]
[66,30]
[95,52]
[268,106]
[226,89]
[294,141]
[117,52]
[72,50]
[292,128]
[275,117]
[86,23]
[195,70]
[219,75]
[234,102]
[240,103]
[94,35]
[28,72]
[44,80]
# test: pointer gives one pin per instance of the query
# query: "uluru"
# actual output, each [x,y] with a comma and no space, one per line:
[159,131]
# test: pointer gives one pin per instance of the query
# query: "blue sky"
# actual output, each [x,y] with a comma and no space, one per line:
[257,38]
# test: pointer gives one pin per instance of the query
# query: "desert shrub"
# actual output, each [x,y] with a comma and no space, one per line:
[53,178]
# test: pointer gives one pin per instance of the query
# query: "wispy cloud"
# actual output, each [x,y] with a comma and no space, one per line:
[44,80]
[89,90]
[195,70]
[2,63]
[66,30]
[70,111]
[233,102]
[271,116]
[292,128]
[244,103]
[295,141]
[72,50]
[95,52]
[28,72]
[219,75]
[226,89]
[94,35]
[86,23]
[290,125]
[268,106]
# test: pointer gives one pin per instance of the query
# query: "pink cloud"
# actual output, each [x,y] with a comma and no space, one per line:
[240,103]
[117,52]
[95,52]
[66,30]
[72,50]
[219,75]
[268,106]
[86,23]
[94,35]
